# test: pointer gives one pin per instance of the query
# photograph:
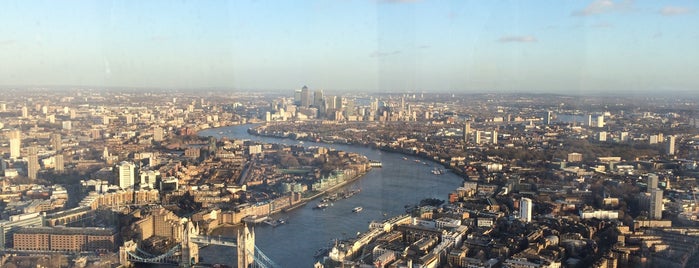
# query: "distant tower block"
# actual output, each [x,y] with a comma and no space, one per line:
[15,143]
[525,209]
[671,145]
[56,142]
[600,121]
[32,163]
[158,134]
[246,246]
[547,118]
[494,137]
[478,137]
[656,204]
[59,165]
[467,130]
[652,182]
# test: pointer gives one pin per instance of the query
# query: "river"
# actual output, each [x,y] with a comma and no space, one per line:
[384,193]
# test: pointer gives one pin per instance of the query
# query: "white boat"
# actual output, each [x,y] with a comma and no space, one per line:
[357,209]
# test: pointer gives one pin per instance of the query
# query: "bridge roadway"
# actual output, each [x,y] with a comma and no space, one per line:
[173,255]
[219,241]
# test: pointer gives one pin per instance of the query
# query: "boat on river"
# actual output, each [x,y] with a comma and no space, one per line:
[322,205]
[357,209]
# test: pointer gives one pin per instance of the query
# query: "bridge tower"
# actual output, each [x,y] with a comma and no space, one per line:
[246,247]
[190,250]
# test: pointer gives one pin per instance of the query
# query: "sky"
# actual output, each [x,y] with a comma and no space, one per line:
[551,46]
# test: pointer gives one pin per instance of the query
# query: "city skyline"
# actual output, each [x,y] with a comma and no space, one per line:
[575,47]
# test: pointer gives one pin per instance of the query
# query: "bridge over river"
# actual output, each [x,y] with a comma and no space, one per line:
[186,253]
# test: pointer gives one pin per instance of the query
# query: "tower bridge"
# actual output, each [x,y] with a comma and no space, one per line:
[186,253]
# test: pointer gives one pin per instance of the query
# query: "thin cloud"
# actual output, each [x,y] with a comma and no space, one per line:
[674,11]
[7,42]
[399,1]
[517,39]
[604,6]
[602,25]
[160,38]
[379,54]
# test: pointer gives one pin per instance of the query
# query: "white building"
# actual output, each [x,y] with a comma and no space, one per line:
[525,209]
[15,143]
[126,175]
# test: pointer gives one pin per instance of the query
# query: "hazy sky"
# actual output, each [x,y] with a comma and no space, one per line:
[537,46]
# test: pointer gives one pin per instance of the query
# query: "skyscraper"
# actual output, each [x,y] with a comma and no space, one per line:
[478,137]
[305,97]
[32,162]
[126,175]
[525,209]
[318,98]
[656,204]
[15,142]
[494,137]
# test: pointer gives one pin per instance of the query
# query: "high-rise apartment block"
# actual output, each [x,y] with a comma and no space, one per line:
[525,209]
[126,175]
[656,204]
[15,143]
[32,162]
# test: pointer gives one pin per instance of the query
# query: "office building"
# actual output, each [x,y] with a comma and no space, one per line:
[525,209]
[148,178]
[656,204]
[494,137]
[15,143]
[9,227]
[318,98]
[602,136]
[478,137]
[305,97]
[126,175]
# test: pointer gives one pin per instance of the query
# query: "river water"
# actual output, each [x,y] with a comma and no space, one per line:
[384,193]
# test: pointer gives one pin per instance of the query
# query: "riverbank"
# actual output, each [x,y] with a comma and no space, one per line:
[407,152]
[384,193]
